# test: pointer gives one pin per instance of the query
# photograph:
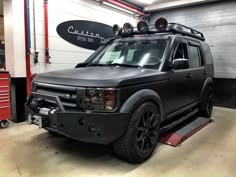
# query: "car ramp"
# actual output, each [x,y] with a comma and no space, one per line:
[182,132]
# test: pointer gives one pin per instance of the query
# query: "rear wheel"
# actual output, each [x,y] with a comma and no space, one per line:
[141,137]
[206,106]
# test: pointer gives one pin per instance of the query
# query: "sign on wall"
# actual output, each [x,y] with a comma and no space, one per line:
[86,34]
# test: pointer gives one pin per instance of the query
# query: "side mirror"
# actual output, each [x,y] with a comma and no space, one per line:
[180,63]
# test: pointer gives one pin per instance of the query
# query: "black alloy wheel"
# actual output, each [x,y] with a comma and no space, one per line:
[206,106]
[140,139]
[210,102]
[147,132]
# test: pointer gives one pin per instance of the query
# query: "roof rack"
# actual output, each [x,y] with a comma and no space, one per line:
[161,26]
[175,28]
[181,29]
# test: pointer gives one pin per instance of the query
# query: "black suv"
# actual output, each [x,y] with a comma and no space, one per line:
[140,84]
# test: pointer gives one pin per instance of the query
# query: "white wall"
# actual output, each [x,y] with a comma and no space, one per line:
[218,23]
[63,54]
[14,37]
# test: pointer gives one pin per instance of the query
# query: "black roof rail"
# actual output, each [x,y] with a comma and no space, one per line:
[175,28]
[181,29]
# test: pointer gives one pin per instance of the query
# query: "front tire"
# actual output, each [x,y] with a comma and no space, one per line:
[141,136]
[206,105]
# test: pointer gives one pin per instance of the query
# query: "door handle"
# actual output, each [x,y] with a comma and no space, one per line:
[189,76]
[204,72]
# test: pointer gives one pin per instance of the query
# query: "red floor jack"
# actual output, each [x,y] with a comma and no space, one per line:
[185,130]
[5,112]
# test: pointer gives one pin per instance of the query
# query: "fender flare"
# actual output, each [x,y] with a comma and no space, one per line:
[140,97]
[208,82]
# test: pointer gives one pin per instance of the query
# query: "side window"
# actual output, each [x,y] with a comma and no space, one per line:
[195,60]
[181,52]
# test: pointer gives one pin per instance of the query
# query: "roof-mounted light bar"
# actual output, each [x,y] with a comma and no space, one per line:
[128,29]
[117,30]
[143,27]
[161,25]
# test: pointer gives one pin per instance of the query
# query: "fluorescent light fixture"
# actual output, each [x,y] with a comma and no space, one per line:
[118,8]
[174,4]
[146,1]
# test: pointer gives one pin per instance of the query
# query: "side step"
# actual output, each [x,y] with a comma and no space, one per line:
[178,121]
[184,131]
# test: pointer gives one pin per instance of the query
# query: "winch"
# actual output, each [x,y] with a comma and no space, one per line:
[41,118]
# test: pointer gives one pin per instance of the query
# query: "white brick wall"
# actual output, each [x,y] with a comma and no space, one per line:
[65,55]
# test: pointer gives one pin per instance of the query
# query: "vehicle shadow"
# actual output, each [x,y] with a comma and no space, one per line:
[91,157]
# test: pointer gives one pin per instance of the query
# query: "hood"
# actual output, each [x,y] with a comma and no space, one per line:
[101,76]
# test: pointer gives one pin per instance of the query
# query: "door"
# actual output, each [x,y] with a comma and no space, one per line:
[197,69]
[180,80]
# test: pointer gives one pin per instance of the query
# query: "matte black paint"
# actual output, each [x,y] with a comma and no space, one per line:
[86,34]
[171,89]
[93,76]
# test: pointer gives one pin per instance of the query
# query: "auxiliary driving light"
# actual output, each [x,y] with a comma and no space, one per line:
[117,30]
[142,27]
[128,28]
[161,24]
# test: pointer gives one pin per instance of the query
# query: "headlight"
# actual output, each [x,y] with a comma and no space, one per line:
[99,99]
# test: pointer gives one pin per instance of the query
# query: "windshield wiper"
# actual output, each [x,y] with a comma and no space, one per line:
[115,64]
[125,65]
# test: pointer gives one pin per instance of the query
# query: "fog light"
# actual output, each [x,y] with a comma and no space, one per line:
[84,102]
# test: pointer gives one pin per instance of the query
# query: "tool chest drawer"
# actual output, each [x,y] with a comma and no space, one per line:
[4,96]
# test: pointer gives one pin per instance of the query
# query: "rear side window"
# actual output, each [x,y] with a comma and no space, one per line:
[207,53]
[195,60]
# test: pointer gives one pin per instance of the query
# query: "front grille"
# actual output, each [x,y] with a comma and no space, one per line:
[67,94]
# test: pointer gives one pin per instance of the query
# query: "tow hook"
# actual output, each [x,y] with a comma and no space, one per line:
[35,119]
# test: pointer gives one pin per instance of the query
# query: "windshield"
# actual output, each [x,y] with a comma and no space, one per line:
[147,54]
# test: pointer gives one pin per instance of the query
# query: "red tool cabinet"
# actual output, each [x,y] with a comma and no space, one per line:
[5,110]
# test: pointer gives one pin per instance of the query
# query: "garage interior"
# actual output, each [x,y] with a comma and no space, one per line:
[30,45]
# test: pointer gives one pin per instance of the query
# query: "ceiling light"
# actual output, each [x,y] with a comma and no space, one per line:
[147,1]
[118,8]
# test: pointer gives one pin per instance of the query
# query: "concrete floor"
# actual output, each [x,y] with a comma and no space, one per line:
[26,151]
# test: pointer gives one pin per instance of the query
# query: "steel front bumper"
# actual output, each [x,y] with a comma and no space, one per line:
[100,128]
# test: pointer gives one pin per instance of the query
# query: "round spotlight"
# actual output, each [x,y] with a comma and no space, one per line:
[128,28]
[84,102]
[161,24]
[117,30]
[142,27]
